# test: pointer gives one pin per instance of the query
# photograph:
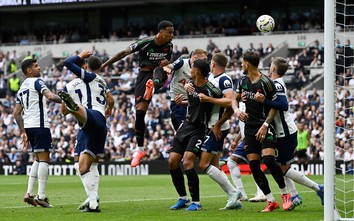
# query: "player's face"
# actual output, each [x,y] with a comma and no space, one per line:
[198,57]
[271,70]
[166,34]
[34,70]
[245,67]
[194,72]
[212,66]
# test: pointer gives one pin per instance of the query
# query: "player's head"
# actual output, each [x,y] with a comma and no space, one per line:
[198,54]
[219,60]
[202,67]
[165,29]
[30,68]
[94,63]
[279,66]
[250,61]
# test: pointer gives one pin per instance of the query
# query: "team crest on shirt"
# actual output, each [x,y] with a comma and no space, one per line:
[227,83]
[41,83]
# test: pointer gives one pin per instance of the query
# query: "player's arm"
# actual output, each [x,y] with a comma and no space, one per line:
[235,142]
[72,64]
[20,123]
[117,57]
[110,104]
[51,96]
[180,100]
[225,101]
[280,103]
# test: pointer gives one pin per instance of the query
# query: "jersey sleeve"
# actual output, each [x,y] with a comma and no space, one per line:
[178,64]
[225,84]
[213,91]
[39,85]
[270,90]
[136,46]
[71,64]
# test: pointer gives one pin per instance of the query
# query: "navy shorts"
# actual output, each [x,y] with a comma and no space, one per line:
[95,133]
[211,145]
[79,147]
[286,149]
[178,114]
[39,138]
[240,152]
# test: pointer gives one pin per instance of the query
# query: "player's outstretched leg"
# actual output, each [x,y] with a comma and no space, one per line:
[320,193]
[149,90]
[70,103]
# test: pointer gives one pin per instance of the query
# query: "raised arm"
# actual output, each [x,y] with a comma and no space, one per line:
[117,57]
[110,104]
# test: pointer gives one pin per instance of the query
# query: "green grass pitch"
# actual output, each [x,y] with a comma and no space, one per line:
[145,198]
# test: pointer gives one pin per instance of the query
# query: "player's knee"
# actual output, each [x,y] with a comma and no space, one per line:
[188,164]
[255,165]
[173,164]
[83,169]
[203,166]
[269,160]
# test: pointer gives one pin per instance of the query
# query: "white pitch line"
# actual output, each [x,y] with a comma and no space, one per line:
[128,200]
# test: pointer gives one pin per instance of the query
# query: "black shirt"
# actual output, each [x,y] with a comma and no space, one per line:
[150,53]
[257,112]
[197,112]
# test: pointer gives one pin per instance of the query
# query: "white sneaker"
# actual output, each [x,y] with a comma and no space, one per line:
[260,198]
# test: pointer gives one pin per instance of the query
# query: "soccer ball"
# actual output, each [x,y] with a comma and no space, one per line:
[265,23]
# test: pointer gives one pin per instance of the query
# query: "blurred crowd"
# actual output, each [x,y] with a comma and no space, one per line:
[215,23]
[306,106]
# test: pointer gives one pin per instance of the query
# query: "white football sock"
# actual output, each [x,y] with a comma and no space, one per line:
[96,176]
[236,176]
[270,197]
[42,179]
[32,178]
[221,178]
[89,184]
[76,166]
[291,186]
[301,179]
[259,191]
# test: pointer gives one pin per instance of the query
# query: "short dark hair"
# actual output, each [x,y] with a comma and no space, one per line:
[164,24]
[81,62]
[220,59]
[281,64]
[27,63]
[251,57]
[203,66]
[94,63]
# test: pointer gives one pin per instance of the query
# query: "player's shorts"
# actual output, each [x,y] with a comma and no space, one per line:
[252,145]
[178,114]
[240,153]
[95,132]
[140,85]
[189,137]
[79,147]
[211,145]
[301,154]
[39,138]
[286,147]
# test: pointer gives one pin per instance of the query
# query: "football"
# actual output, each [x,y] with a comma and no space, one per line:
[265,23]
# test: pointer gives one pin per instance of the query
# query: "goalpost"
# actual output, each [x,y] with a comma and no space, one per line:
[338,176]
